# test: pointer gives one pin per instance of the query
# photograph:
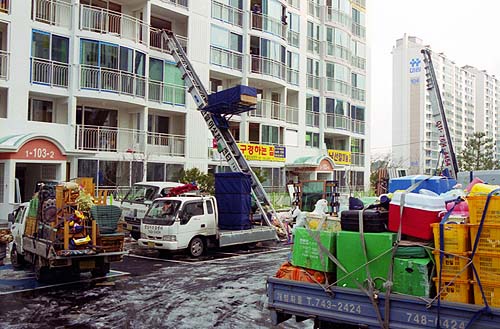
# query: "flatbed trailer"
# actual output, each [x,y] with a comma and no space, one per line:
[350,306]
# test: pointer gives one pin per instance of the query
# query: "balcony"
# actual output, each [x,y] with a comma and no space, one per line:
[267,66]
[358,126]
[276,111]
[358,159]
[358,62]
[338,86]
[338,121]
[227,14]
[157,42]
[313,9]
[293,38]
[294,3]
[52,12]
[358,94]
[105,21]
[177,3]
[312,82]
[49,73]
[312,119]
[268,24]
[358,30]
[337,17]
[166,93]
[166,144]
[313,45]
[5,6]
[338,51]
[226,58]
[292,76]
[110,80]
[4,65]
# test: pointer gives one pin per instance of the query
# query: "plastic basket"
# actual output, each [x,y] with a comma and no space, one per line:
[489,240]
[453,264]
[458,291]
[487,266]
[491,293]
[456,237]
[476,206]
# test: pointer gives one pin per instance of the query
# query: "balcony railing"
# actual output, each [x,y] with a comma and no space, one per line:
[338,86]
[313,45]
[110,80]
[292,115]
[226,13]
[268,24]
[338,51]
[4,65]
[292,76]
[335,16]
[49,72]
[293,38]
[358,94]
[337,121]
[157,42]
[5,6]
[102,139]
[313,9]
[166,144]
[312,119]
[53,12]
[312,82]
[275,110]
[358,62]
[294,3]
[359,30]
[267,66]
[103,21]
[358,159]
[178,3]
[226,58]
[358,126]
[166,93]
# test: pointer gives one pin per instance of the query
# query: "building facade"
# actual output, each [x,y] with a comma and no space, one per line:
[88,89]
[470,98]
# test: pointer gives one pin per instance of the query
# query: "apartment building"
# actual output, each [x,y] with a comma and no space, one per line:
[88,89]
[470,98]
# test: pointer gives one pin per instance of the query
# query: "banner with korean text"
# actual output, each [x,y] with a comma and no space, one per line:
[260,152]
[340,157]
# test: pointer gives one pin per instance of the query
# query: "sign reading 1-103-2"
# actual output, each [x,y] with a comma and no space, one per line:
[40,153]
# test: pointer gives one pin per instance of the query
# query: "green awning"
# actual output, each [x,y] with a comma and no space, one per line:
[310,161]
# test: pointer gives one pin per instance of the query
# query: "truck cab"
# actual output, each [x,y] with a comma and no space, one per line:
[137,200]
[17,220]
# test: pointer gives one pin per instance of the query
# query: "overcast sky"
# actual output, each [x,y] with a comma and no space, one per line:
[466,31]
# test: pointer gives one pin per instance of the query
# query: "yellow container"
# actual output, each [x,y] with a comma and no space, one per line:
[458,291]
[453,264]
[456,237]
[491,293]
[476,206]
[487,266]
[489,241]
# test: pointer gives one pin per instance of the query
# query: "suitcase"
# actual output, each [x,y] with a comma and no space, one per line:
[374,220]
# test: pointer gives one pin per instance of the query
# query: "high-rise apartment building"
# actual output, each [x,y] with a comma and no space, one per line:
[470,98]
[88,89]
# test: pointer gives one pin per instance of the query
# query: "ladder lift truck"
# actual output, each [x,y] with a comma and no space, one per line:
[339,307]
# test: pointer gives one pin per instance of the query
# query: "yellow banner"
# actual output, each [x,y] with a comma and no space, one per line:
[261,152]
[340,157]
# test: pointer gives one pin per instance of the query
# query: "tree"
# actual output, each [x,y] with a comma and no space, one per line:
[478,153]
[205,182]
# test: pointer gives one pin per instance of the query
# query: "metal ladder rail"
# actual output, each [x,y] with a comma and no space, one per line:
[234,158]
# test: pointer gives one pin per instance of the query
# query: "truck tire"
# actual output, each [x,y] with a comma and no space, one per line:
[100,271]
[42,273]
[135,235]
[196,247]
[16,260]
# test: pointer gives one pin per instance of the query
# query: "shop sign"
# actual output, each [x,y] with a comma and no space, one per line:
[340,157]
[37,149]
[261,152]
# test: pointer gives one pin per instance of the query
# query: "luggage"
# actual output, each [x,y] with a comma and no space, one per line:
[373,220]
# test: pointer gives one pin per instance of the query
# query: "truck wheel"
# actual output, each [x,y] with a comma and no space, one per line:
[100,271]
[42,273]
[135,235]
[16,260]
[196,247]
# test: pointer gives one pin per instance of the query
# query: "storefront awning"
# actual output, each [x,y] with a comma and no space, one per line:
[310,162]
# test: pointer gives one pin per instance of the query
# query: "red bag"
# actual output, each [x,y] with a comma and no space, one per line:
[295,273]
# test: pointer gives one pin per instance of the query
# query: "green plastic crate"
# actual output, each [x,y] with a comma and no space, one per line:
[33,209]
[412,276]
[306,252]
[350,255]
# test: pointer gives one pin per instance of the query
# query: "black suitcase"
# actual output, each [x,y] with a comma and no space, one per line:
[374,220]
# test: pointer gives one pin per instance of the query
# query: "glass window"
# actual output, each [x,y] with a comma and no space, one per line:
[293,22]
[330,105]
[270,134]
[210,207]
[156,171]
[191,209]
[236,42]
[292,60]
[87,168]
[126,59]
[109,56]
[40,45]
[140,66]
[60,49]
[312,139]
[312,103]
[89,53]
[173,77]
[40,110]
[339,107]
[155,69]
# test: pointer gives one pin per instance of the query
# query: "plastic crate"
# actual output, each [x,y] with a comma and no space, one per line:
[453,264]
[30,227]
[491,293]
[476,207]
[456,237]
[487,266]
[458,291]
[489,240]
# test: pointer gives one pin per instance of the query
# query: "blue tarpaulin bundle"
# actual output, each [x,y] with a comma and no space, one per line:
[234,100]
[232,191]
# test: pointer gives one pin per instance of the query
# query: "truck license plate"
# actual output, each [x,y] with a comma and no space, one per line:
[87,264]
[151,244]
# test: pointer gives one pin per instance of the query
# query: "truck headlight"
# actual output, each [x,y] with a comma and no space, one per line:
[172,238]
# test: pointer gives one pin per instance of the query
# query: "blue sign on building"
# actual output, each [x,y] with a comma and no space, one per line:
[415,65]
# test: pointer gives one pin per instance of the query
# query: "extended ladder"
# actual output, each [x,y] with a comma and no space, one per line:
[230,150]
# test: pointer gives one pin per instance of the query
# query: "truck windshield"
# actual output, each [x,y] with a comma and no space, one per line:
[141,193]
[162,212]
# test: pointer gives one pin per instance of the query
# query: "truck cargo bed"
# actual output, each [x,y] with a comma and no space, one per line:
[255,234]
[350,306]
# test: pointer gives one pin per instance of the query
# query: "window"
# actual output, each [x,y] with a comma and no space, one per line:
[358,81]
[225,39]
[210,207]
[358,113]
[39,110]
[191,209]
[312,139]
[357,145]
[156,69]
[312,31]
[293,22]
[312,103]
[330,105]
[292,60]
[338,72]
[140,64]
[50,47]
[270,134]
[312,67]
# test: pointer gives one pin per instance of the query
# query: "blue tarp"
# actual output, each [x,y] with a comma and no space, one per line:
[229,101]
[233,183]
[436,184]
[232,192]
